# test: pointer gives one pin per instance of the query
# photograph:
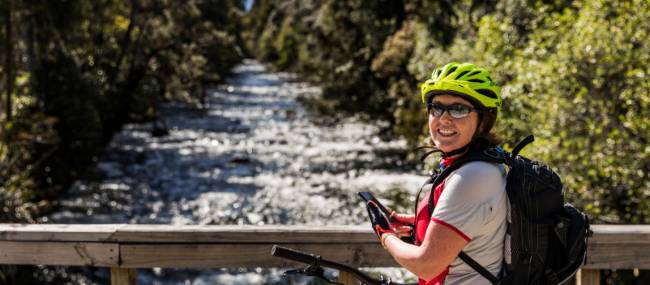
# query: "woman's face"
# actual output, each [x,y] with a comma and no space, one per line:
[449,133]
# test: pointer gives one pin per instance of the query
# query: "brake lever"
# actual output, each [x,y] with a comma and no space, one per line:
[313,271]
[294,271]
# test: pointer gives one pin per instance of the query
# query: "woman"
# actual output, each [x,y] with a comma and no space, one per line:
[470,205]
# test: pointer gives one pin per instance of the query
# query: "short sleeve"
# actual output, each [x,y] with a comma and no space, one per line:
[469,195]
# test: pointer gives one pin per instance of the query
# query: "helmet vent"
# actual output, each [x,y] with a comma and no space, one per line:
[477,80]
[461,74]
[474,72]
[488,93]
[452,69]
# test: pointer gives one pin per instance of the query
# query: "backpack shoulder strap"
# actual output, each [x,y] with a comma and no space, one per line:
[493,155]
[478,267]
[520,145]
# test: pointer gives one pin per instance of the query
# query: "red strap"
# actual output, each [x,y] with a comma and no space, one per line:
[436,195]
[424,219]
[438,280]
[448,161]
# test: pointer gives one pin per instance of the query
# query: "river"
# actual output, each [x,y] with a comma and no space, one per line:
[253,155]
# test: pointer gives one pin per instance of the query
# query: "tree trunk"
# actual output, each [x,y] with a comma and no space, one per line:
[125,44]
[9,58]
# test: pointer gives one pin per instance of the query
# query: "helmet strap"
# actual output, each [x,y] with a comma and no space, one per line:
[456,151]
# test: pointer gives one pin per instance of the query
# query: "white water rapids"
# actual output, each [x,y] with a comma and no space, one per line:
[253,155]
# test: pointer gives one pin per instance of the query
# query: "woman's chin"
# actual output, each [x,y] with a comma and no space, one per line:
[444,146]
[446,150]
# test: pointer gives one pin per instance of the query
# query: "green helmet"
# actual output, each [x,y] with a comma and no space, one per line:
[465,80]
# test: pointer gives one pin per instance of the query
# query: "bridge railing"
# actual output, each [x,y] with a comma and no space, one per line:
[124,247]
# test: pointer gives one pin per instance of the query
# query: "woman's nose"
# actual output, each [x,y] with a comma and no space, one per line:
[445,116]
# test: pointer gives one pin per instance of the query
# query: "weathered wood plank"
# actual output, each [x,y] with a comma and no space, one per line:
[621,234]
[59,253]
[124,276]
[58,232]
[245,234]
[613,246]
[603,234]
[347,278]
[247,255]
[618,256]
[588,277]
[185,234]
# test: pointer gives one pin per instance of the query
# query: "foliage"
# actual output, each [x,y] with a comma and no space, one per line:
[574,73]
[85,68]
[330,42]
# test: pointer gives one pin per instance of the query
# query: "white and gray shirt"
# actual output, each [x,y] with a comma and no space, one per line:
[475,203]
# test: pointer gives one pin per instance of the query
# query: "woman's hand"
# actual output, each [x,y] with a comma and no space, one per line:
[402,218]
[402,231]
[402,224]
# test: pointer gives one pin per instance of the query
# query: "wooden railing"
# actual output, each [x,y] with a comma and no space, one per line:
[124,248]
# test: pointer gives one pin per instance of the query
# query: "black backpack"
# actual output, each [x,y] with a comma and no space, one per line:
[546,239]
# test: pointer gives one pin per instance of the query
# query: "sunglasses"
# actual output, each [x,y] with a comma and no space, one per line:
[456,111]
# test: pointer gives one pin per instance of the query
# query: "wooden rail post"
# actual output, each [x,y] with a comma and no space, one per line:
[123,276]
[588,277]
[347,279]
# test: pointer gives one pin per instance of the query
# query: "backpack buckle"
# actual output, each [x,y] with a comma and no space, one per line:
[495,153]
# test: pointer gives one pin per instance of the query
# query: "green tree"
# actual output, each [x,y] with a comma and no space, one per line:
[9,57]
[88,67]
[574,73]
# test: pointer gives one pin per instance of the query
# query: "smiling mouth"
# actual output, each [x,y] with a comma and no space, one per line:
[446,133]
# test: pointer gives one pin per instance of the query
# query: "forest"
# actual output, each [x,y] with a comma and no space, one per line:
[576,74]
[74,72]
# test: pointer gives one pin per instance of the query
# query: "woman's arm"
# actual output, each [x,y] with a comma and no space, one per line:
[440,247]
[461,211]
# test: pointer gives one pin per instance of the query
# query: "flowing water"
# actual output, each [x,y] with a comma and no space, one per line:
[253,155]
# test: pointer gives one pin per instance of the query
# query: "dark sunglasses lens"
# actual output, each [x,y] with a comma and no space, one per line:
[436,110]
[459,111]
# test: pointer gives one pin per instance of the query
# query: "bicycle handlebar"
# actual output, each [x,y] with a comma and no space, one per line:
[295,255]
[316,260]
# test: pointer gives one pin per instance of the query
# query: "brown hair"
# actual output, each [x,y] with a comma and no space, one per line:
[488,118]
